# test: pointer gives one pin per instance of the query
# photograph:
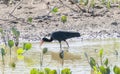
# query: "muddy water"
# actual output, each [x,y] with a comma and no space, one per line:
[74,56]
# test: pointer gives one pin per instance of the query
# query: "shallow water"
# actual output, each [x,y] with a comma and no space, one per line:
[74,57]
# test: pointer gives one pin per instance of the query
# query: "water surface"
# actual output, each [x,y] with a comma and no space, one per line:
[74,57]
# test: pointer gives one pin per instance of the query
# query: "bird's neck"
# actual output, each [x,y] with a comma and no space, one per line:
[49,40]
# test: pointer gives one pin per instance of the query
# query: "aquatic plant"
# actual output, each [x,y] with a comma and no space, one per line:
[16,35]
[30,19]
[44,71]
[3,36]
[27,46]
[12,65]
[116,70]
[84,2]
[63,18]
[102,68]
[20,52]
[108,4]
[10,44]
[55,10]
[47,70]
[35,71]
[116,54]
[101,55]
[61,55]
[53,72]
[66,71]
[103,2]
[44,51]
[92,4]
[3,54]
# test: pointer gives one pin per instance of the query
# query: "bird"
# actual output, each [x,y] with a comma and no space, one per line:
[60,36]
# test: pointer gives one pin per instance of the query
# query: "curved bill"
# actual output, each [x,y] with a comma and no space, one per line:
[41,42]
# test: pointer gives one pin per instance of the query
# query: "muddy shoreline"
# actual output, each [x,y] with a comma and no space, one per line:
[104,25]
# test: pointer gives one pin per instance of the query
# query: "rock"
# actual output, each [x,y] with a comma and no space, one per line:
[114,23]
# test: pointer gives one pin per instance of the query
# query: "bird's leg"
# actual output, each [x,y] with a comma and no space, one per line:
[67,43]
[60,46]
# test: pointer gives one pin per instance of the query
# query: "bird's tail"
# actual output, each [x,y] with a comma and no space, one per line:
[73,34]
[76,34]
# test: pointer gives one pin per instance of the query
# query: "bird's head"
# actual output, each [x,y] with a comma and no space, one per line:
[42,41]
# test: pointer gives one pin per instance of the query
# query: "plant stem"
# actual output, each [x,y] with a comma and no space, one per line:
[4,40]
[3,60]
[10,54]
[101,60]
[41,60]
[3,68]
[62,62]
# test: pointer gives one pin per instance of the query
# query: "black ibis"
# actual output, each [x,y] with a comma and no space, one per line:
[61,36]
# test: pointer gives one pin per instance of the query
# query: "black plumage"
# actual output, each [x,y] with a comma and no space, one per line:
[61,36]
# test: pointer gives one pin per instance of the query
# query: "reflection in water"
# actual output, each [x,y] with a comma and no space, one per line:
[74,58]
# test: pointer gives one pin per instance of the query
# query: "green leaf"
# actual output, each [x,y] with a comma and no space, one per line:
[64,18]
[1,30]
[118,6]
[116,70]
[27,46]
[99,73]
[95,68]
[53,72]
[86,2]
[102,70]
[103,2]
[66,71]
[47,70]
[13,65]
[108,4]
[81,2]
[10,43]
[92,62]
[106,62]
[2,51]
[55,9]
[20,51]
[30,19]
[15,32]
[45,50]
[35,71]
[92,4]
[101,53]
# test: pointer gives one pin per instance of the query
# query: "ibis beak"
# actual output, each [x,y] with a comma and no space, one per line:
[41,43]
